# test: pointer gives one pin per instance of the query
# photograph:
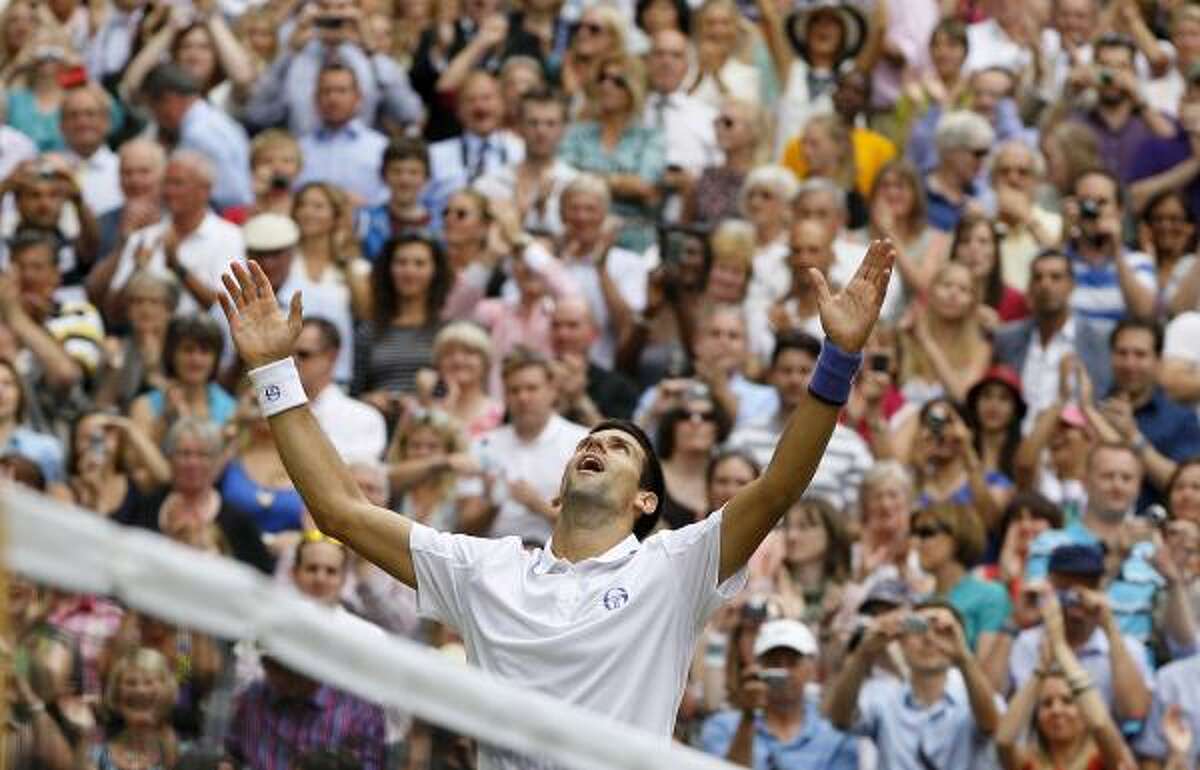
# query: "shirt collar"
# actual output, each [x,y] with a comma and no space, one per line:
[350,130]
[545,560]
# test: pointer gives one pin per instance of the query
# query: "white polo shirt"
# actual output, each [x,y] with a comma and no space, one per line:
[614,634]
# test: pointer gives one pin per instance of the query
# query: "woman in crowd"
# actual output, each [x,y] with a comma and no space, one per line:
[943,87]
[17,26]
[16,435]
[731,57]
[977,246]
[599,36]
[328,254]
[741,132]
[254,481]
[897,210]
[111,460]
[1183,491]
[613,143]
[887,497]
[462,358]
[1070,148]
[995,409]
[1169,236]
[191,509]
[192,355]
[206,49]
[816,561]
[135,363]
[1071,723]
[138,696]
[728,471]
[466,224]
[765,201]
[427,461]
[948,468]
[35,107]
[1026,516]
[944,348]
[654,16]
[687,437]
[950,540]
[1052,458]
[411,279]
[963,141]
[830,154]
[255,30]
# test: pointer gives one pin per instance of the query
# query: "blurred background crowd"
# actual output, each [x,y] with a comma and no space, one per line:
[510,219]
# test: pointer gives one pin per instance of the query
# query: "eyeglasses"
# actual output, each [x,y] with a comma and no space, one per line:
[615,79]
[592,28]
[926,532]
[452,212]
[693,415]
[980,152]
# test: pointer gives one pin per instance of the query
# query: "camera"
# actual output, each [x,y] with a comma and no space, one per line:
[774,677]
[1155,514]
[915,624]
[755,610]
[1106,77]
[879,362]
[936,419]
[281,182]
[328,22]
[1089,208]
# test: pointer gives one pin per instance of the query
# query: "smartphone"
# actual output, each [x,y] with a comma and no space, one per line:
[72,77]
[879,362]
[440,389]
[328,22]
[671,244]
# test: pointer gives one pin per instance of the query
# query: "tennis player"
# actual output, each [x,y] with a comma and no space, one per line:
[605,616]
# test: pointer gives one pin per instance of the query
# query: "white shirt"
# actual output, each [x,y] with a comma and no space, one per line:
[848,255]
[687,122]
[1182,340]
[613,634]
[502,183]
[990,46]
[356,430]
[327,297]
[15,149]
[206,253]
[629,272]
[1039,376]
[539,462]
[99,178]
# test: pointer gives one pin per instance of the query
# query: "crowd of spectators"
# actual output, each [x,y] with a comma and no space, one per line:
[512,219]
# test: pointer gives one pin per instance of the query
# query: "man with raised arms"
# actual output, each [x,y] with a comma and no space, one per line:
[605,616]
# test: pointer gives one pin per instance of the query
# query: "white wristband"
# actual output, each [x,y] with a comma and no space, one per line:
[277,386]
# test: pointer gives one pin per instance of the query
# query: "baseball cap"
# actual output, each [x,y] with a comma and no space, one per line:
[889,592]
[1083,559]
[270,232]
[791,634]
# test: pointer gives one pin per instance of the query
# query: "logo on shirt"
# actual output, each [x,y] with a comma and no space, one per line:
[272,392]
[615,598]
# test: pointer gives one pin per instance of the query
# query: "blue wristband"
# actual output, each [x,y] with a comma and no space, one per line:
[834,375]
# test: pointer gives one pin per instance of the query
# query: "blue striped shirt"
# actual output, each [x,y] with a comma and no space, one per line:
[1097,296]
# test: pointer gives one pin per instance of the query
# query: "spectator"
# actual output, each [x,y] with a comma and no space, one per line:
[887,496]
[35,107]
[1171,163]
[728,471]
[192,352]
[140,691]
[20,439]
[994,411]
[900,718]
[111,461]
[1116,663]
[597,390]
[943,86]
[522,461]
[42,192]
[977,245]
[141,164]
[462,357]
[1036,347]
[411,280]
[686,439]
[897,210]
[1070,149]
[712,196]
[356,429]
[285,91]
[676,113]
[615,145]
[963,141]
[536,183]
[275,162]
[777,724]
[185,121]
[113,40]
[1071,723]
[811,247]
[190,241]
[765,202]
[133,364]
[1017,173]
[430,468]
[405,169]
[846,457]
[1174,708]
[254,482]
[1172,246]
[285,714]
[816,562]
[86,121]
[341,150]
[948,468]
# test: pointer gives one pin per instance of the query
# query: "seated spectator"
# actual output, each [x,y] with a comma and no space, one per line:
[671,109]
[523,460]
[254,481]
[1026,228]
[1172,230]
[815,568]
[285,714]
[846,456]
[617,147]
[943,87]
[731,56]
[133,364]
[341,150]
[1173,717]
[17,437]
[463,372]
[356,429]
[185,121]
[1171,163]
[899,716]
[948,468]
[1070,721]
[1028,515]
[190,241]
[405,170]
[35,106]
[687,437]
[284,91]
[765,202]
[994,411]
[1117,663]
[887,496]
[86,121]
[411,280]
[1111,281]
[111,461]
[728,471]
[140,167]
[275,163]
[963,142]
[47,197]
[897,210]
[588,392]
[427,465]
[712,196]
[139,693]
[778,723]
[977,245]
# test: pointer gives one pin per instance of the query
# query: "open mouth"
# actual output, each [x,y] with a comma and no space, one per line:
[590,463]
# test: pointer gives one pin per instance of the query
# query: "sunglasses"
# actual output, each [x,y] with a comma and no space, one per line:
[927,532]
[616,80]
[699,416]
[981,152]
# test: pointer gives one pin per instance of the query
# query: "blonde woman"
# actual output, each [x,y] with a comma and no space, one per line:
[727,50]
[329,252]
[139,694]
[427,456]
[766,203]
[944,349]
[601,35]
[741,133]
[826,142]
[463,359]
[275,162]
[897,210]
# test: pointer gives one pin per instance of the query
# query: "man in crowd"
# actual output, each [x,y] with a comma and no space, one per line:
[597,390]
[42,190]
[85,125]
[776,724]
[522,461]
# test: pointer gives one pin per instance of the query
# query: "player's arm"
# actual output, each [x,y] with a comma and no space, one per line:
[263,335]
[848,318]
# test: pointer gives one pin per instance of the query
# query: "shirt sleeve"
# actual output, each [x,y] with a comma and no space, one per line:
[443,564]
[995,610]
[695,551]
[1182,336]
[716,735]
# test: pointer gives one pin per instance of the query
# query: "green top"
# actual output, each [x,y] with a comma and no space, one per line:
[984,606]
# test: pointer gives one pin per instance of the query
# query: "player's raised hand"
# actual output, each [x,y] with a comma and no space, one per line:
[848,316]
[260,330]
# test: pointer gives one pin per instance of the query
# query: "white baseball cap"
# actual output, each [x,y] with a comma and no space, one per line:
[270,232]
[791,634]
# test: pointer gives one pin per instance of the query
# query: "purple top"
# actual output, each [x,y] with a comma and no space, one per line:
[1119,148]
[1155,156]
[271,733]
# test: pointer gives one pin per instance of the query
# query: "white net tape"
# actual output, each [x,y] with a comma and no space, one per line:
[54,544]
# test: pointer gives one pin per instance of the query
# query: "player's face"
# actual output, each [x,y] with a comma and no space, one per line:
[604,471]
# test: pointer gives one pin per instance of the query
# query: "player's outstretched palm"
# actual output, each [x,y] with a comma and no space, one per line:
[260,330]
[848,316]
